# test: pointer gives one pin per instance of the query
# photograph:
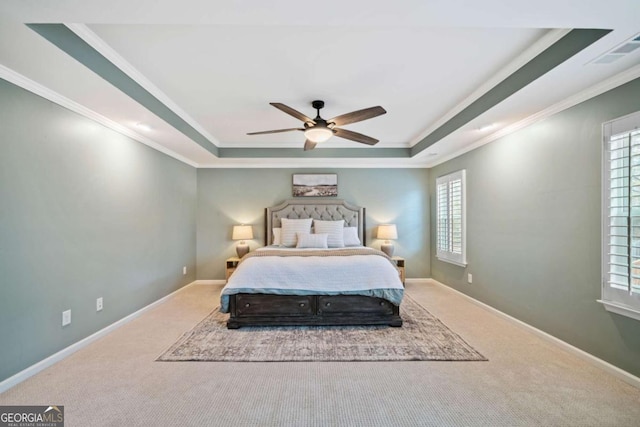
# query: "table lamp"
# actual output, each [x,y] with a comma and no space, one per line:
[242,233]
[387,232]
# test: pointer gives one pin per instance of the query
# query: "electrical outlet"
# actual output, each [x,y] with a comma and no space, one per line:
[469,278]
[99,304]
[66,317]
[184,270]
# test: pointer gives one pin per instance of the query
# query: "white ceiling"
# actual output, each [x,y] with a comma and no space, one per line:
[217,65]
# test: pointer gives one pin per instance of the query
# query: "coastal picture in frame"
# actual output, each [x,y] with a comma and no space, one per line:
[315,185]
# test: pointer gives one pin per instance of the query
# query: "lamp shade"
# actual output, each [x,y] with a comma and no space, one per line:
[387,231]
[318,134]
[242,232]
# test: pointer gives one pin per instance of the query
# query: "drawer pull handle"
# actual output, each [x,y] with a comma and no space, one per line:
[301,304]
[247,305]
[328,304]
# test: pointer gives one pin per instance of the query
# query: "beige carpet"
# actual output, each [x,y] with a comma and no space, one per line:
[421,337]
[526,382]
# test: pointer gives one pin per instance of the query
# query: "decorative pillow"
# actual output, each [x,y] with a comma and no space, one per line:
[312,241]
[290,229]
[333,229]
[351,236]
[276,236]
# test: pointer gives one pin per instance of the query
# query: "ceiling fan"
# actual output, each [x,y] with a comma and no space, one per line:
[319,130]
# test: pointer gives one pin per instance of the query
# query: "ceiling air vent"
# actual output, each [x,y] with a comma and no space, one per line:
[619,51]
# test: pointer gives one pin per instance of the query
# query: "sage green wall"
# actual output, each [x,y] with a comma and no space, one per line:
[232,196]
[84,213]
[533,217]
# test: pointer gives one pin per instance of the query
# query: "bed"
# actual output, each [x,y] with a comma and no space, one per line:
[354,285]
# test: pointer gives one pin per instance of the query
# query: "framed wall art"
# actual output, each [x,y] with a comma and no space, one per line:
[315,185]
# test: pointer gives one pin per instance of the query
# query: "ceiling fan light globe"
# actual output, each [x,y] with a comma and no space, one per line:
[318,134]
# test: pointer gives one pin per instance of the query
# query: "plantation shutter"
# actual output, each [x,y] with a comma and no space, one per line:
[450,217]
[621,218]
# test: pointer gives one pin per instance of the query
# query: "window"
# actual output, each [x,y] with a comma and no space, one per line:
[451,218]
[621,216]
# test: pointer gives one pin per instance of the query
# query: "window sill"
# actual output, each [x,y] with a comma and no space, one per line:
[620,309]
[459,264]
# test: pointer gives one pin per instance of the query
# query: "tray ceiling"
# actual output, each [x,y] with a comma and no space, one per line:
[192,80]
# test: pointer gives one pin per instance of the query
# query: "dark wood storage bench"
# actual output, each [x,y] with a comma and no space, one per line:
[314,310]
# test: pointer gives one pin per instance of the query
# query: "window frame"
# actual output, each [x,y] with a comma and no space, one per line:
[616,300]
[446,254]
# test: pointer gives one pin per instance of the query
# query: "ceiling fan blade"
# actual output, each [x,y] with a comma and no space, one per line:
[309,145]
[358,116]
[355,136]
[274,131]
[290,111]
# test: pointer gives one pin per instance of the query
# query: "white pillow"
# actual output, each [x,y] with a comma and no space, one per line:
[312,241]
[351,236]
[333,229]
[290,229]
[276,236]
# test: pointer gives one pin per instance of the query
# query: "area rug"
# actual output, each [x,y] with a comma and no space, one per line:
[421,337]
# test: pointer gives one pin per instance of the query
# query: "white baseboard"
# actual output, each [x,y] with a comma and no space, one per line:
[416,281]
[210,282]
[593,360]
[65,352]
[51,360]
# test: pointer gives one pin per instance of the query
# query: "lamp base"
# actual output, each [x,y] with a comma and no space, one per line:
[387,248]
[242,249]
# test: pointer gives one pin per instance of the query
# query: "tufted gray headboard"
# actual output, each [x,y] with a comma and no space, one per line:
[327,210]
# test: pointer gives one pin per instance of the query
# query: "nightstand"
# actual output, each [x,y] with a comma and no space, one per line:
[231,264]
[399,261]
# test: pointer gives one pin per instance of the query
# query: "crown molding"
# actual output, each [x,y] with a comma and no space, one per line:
[551,37]
[415,162]
[93,40]
[298,144]
[591,92]
[53,96]
[46,93]
[296,163]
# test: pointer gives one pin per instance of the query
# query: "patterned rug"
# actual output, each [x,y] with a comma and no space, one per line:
[421,337]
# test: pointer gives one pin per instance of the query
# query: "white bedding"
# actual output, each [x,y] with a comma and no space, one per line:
[370,275]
